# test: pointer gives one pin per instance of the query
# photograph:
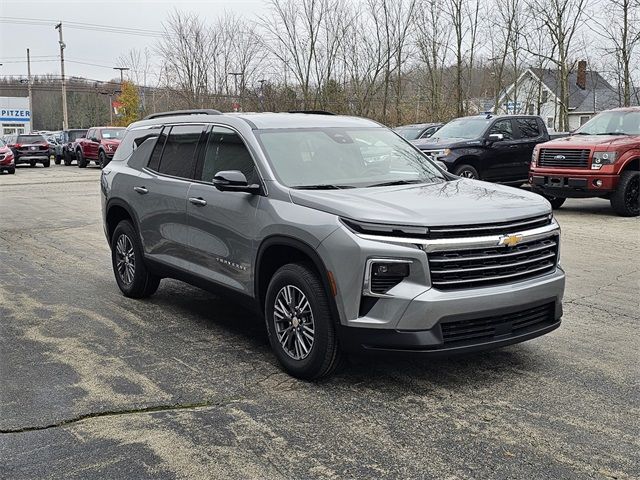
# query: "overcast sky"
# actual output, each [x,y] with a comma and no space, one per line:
[102,48]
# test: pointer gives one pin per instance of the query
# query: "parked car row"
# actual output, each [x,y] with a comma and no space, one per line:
[600,159]
[97,144]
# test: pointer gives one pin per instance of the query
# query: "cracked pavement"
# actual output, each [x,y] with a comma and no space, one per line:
[183,385]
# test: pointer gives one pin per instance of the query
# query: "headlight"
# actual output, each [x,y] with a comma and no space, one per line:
[439,153]
[534,157]
[602,158]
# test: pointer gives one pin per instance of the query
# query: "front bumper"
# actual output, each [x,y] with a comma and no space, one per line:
[573,185]
[479,332]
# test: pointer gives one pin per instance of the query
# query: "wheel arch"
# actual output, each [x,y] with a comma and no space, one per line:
[116,211]
[632,164]
[472,160]
[278,250]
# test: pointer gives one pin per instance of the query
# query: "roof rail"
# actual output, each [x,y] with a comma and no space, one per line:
[312,112]
[205,111]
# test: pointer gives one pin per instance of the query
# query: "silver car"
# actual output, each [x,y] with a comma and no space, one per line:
[340,233]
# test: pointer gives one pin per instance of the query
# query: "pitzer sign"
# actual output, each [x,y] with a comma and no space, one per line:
[15,115]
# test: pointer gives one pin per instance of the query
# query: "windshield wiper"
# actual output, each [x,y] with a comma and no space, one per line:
[396,182]
[327,186]
[581,133]
[613,133]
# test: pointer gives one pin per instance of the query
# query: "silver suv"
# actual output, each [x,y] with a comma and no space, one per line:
[342,234]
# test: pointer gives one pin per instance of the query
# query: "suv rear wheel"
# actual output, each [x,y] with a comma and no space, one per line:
[300,325]
[625,200]
[131,273]
[67,158]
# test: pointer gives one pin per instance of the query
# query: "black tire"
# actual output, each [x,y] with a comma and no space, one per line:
[323,354]
[11,171]
[46,163]
[556,202]
[58,159]
[136,281]
[32,164]
[625,201]
[67,158]
[467,171]
[82,162]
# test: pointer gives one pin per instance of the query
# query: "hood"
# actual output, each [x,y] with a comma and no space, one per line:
[457,202]
[585,141]
[110,141]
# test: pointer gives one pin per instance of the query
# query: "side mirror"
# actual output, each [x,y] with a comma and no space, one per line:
[234,181]
[95,139]
[495,137]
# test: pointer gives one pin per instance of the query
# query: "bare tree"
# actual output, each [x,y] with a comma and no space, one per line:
[188,53]
[560,20]
[622,34]
[433,44]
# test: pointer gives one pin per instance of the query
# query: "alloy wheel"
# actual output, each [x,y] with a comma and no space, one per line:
[125,259]
[293,322]
[467,174]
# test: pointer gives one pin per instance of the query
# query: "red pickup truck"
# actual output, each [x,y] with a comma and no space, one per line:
[600,159]
[99,145]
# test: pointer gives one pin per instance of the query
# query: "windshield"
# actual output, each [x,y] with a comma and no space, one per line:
[76,134]
[344,157]
[612,123]
[113,133]
[30,139]
[409,133]
[467,128]
[2,144]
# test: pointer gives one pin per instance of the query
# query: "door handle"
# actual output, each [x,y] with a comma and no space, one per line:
[198,201]
[141,190]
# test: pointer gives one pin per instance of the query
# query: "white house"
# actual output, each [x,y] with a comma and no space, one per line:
[537,90]
[15,116]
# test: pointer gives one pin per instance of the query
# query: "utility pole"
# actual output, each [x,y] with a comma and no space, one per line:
[65,117]
[122,70]
[261,82]
[29,89]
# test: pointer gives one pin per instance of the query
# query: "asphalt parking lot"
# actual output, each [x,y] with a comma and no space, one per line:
[183,385]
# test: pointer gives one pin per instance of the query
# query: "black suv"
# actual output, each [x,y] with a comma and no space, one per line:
[496,148]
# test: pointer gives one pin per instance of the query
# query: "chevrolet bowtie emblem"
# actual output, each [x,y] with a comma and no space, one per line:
[510,240]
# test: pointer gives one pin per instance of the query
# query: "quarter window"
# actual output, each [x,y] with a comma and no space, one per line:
[226,151]
[528,127]
[178,156]
[504,127]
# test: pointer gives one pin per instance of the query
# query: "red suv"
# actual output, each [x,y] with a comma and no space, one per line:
[600,159]
[99,145]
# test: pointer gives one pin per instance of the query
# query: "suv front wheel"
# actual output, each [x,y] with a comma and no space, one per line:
[299,322]
[132,275]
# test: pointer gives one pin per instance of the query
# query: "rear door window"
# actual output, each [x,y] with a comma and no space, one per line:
[529,127]
[179,152]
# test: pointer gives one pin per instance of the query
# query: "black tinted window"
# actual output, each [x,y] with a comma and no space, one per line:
[154,160]
[504,127]
[226,151]
[133,140]
[178,156]
[30,138]
[528,127]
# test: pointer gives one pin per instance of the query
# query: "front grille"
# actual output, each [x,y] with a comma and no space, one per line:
[569,158]
[487,328]
[499,228]
[458,269]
